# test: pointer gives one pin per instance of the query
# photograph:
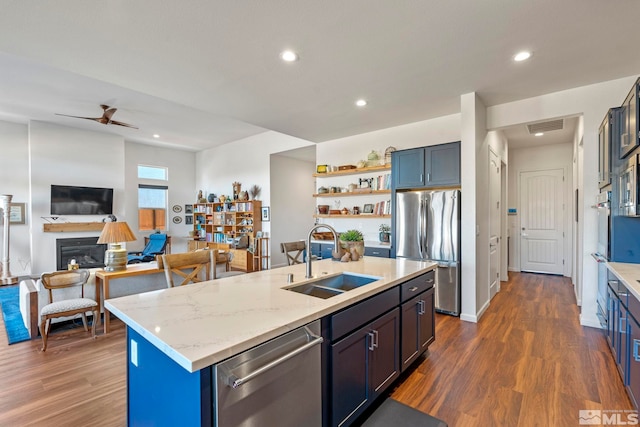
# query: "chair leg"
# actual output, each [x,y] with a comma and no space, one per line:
[96,313]
[43,333]
[84,322]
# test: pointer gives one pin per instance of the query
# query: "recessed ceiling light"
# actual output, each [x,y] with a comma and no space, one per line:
[361,102]
[289,56]
[539,133]
[522,56]
[155,135]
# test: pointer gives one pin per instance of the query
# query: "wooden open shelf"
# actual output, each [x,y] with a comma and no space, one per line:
[351,216]
[354,171]
[72,226]
[353,193]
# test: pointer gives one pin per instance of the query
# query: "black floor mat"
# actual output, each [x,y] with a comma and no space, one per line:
[393,413]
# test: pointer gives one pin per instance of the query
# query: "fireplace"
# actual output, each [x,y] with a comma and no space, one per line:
[85,250]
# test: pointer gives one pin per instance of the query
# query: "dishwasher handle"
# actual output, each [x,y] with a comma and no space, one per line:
[235,382]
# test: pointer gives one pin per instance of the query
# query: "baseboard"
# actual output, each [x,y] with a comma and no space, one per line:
[483,309]
[469,318]
[591,321]
[515,270]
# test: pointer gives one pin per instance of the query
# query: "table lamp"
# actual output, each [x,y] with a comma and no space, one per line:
[113,233]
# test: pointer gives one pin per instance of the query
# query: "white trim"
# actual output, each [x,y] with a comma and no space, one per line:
[483,309]
[592,322]
[469,318]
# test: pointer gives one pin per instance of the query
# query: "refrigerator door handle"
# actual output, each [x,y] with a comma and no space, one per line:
[420,228]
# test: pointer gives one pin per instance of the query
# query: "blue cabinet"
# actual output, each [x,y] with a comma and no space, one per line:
[364,364]
[609,145]
[379,252]
[322,250]
[630,135]
[433,166]
[418,327]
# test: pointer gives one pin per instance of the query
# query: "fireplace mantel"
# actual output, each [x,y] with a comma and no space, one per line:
[73,226]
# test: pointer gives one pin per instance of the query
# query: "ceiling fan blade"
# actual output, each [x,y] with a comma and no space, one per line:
[115,122]
[109,112]
[79,117]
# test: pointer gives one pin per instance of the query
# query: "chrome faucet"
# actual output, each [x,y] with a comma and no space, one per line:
[336,244]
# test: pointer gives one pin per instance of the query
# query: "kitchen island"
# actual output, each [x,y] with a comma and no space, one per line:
[176,335]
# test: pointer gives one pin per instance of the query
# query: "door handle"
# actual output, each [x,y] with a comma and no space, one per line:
[375,336]
[371,341]
[421,307]
[236,382]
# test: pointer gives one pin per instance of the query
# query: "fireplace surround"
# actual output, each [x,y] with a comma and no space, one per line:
[85,250]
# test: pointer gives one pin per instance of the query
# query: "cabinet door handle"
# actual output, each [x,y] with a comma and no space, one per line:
[636,356]
[371,342]
[428,177]
[413,288]
[421,307]
[429,280]
[375,335]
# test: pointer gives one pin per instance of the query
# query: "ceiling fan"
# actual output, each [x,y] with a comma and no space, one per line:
[106,119]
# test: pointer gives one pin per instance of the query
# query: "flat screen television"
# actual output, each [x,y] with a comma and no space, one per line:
[71,200]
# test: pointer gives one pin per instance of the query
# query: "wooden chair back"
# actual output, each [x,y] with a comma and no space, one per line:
[189,266]
[64,279]
[294,251]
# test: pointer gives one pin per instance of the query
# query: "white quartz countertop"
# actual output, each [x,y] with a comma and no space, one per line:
[202,324]
[629,274]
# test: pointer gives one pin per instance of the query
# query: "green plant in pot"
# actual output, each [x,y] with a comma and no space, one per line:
[352,241]
[385,233]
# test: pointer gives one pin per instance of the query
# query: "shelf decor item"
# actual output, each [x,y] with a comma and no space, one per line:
[385,233]
[237,187]
[254,191]
[352,241]
[387,154]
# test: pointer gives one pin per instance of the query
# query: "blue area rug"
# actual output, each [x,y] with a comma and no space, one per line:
[9,300]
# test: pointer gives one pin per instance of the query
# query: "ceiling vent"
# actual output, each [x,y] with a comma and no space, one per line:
[546,126]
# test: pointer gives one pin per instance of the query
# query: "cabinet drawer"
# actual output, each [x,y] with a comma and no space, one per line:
[379,252]
[417,285]
[353,317]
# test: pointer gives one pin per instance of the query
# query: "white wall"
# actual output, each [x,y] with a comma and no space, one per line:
[181,183]
[14,180]
[66,156]
[292,203]
[554,156]
[592,102]
[246,161]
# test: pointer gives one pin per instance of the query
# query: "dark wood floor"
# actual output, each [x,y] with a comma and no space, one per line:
[527,362]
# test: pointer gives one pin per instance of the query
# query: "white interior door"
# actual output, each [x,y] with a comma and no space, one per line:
[494,224]
[542,221]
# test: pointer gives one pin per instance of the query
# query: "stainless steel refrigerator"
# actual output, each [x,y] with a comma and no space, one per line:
[427,227]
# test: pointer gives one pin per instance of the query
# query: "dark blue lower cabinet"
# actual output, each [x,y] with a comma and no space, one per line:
[163,393]
[363,365]
[418,327]
[634,361]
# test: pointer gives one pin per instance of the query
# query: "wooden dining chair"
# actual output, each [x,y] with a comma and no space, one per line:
[69,306]
[294,251]
[191,266]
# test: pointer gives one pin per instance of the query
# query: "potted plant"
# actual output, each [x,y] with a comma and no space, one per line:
[352,241]
[385,233]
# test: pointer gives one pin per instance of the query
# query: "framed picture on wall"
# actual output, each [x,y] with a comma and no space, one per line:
[188,219]
[16,214]
[188,209]
[266,216]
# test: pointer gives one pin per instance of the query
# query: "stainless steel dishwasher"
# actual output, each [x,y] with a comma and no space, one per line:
[275,383]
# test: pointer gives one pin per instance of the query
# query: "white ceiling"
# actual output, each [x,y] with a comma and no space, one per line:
[519,136]
[207,72]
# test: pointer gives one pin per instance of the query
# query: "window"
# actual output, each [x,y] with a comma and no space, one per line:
[152,172]
[152,199]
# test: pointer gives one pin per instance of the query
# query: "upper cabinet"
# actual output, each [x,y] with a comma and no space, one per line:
[630,133]
[433,166]
[608,137]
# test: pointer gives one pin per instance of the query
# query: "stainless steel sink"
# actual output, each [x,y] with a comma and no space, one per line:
[327,287]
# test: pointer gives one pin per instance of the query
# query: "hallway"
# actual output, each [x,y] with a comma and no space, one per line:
[528,362]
